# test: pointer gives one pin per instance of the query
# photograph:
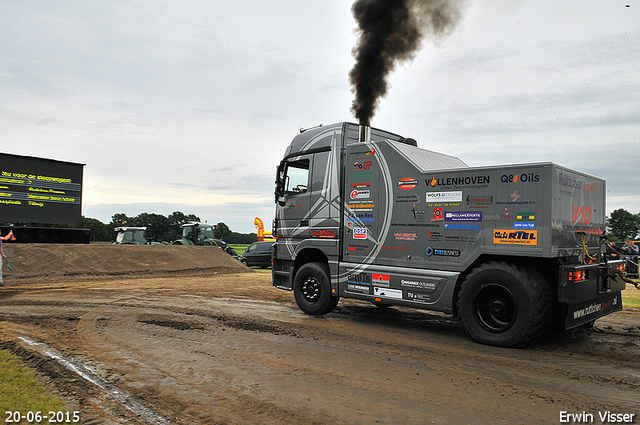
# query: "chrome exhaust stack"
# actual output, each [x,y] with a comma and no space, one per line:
[364,133]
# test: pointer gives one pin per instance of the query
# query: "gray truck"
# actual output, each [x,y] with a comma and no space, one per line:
[510,250]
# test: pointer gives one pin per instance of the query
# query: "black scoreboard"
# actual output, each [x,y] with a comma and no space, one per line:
[38,190]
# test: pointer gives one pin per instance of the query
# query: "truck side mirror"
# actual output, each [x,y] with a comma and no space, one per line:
[280,181]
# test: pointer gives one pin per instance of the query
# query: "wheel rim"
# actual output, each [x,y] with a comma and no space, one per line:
[310,290]
[495,308]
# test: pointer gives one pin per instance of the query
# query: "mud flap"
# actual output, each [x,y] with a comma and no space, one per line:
[588,311]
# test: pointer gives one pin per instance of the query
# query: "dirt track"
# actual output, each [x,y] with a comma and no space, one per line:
[187,336]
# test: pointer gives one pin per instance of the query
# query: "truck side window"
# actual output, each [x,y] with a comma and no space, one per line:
[297,179]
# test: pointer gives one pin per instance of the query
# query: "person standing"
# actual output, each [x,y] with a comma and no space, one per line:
[2,254]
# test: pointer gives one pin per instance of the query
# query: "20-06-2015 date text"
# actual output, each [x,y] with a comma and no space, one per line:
[37,417]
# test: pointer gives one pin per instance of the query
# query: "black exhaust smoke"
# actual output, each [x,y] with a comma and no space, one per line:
[391,32]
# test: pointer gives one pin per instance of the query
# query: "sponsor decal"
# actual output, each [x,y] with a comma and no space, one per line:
[460,239]
[362,165]
[515,237]
[357,288]
[570,181]
[358,247]
[418,284]
[380,279]
[459,181]
[438,252]
[395,248]
[415,225]
[360,194]
[437,215]
[591,187]
[361,206]
[362,185]
[525,216]
[360,216]
[360,233]
[506,215]
[525,220]
[324,234]
[405,236]
[359,278]
[451,196]
[581,213]
[372,151]
[524,225]
[463,216]
[520,178]
[479,201]
[591,310]
[413,296]
[419,215]
[413,198]
[475,227]
[515,196]
[408,183]
[387,293]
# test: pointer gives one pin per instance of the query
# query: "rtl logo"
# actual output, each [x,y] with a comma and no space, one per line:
[582,212]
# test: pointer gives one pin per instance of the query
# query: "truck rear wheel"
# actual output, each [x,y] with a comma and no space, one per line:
[312,289]
[505,305]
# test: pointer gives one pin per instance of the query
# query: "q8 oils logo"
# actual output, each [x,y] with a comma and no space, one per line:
[520,178]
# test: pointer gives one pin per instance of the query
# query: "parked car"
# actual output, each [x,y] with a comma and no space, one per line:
[257,254]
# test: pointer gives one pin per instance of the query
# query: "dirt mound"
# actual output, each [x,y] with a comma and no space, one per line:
[30,261]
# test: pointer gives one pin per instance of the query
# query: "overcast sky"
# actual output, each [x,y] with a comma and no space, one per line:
[188,106]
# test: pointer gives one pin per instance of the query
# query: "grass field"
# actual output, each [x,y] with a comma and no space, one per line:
[240,248]
[631,297]
[21,393]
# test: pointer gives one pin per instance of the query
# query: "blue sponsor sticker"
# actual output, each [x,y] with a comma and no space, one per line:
[463,216]
[524,225]
[475,227]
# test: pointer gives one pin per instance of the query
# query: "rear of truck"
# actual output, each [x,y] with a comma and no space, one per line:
[588,287]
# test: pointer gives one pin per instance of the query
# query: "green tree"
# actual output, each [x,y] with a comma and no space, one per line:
[222,231]
[159,227]
[119,219]
[100,232]
[623,224]
[177,219]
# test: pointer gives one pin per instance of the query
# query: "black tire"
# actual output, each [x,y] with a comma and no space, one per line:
[505,305]
[312,289]
[244,261]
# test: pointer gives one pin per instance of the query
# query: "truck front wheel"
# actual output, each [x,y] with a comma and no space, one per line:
[312,289]
[505,305]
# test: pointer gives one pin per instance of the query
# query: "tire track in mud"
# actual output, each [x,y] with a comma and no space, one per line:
[130,333]
[91,376]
